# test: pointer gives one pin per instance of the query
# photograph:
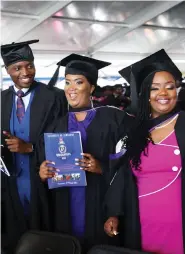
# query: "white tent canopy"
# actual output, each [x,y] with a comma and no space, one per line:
[121,32]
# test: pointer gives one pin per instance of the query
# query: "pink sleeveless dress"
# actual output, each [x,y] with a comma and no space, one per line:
[159,188]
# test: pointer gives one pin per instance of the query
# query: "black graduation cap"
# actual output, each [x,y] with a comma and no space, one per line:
[80,65]
[136,73]
[16,52]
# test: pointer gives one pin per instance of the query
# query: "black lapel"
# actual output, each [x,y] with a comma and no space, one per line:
[62,220]
[62,125]
[40,109]
[7,103]
[180,135]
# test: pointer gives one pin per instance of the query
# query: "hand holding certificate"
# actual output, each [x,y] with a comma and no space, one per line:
[47,171]
[61,150]
[89,163]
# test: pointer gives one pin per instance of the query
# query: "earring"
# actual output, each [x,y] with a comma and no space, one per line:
[149,100]
[91,100]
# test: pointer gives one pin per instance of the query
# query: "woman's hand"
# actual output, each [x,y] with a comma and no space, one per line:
[46,171]
[111,226]
[89,163]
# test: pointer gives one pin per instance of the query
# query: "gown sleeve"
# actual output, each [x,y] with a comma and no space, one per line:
[114,199]
[40,193]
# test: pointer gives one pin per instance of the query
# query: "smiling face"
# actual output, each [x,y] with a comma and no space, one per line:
[163,94]
[22,73]
[78,91]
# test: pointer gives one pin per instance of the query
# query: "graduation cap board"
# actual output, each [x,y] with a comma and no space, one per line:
[80,65]
[158,61]
[17,52]
[136,73]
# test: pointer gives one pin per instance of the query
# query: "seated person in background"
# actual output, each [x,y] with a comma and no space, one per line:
[107,90]
[115,97]
[98,97]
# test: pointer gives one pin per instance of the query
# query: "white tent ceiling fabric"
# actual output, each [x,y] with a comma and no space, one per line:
[121,32]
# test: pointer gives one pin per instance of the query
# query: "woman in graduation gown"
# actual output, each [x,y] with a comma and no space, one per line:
[78,210]
[149,210]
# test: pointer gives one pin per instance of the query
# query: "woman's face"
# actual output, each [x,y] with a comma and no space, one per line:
[163,94]
[78,91]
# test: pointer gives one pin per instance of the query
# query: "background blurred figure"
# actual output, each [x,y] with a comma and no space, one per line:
[118,90]
[115,96]
[98,96]
[107,90]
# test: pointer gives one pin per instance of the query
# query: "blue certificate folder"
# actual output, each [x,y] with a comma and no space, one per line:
[63,149]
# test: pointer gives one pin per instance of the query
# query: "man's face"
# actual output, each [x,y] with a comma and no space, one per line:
[22,74]
[119,90]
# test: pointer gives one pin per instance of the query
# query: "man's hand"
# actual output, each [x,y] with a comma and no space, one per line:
[17,145]
[111,226]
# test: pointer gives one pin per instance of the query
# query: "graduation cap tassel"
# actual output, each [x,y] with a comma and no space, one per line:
[133,94]
[53,80]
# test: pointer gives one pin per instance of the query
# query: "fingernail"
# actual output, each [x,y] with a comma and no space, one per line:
[82,153]
[58,170]
[53,162]
[77,164]
[76,159]
[81,168]
[115,232]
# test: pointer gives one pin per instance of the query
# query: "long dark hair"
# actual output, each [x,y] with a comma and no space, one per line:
[139,136]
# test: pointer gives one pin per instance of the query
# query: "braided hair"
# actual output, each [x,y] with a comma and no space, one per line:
[139,136]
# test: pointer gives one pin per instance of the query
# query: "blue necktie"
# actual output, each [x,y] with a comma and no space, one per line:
[20,112]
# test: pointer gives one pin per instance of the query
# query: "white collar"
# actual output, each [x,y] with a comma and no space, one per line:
[23,89]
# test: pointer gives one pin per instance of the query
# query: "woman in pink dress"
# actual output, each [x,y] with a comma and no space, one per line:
[150,188]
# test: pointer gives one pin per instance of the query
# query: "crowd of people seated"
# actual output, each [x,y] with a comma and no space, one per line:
[117,96]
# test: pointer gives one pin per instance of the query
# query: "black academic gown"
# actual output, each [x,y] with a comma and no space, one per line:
[62,99]
[181,98]
[45,108]
[122,196]
[102,135]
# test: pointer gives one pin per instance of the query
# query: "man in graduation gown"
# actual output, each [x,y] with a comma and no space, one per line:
[27,109]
